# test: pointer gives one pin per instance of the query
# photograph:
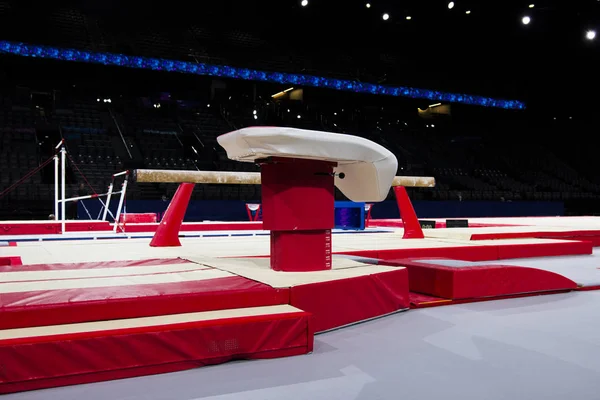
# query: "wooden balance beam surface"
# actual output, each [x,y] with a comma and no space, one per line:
[242,178]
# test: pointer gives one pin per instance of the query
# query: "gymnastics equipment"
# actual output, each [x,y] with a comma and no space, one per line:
[245,178]
[299,170]
[61,202]
[253,210]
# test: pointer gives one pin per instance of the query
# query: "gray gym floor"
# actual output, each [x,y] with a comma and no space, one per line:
[544,347]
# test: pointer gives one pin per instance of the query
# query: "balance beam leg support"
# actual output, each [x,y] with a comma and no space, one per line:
[412,227]
[167,233]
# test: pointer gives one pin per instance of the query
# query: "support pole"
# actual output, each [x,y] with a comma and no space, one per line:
[412,227]
[63,154]
[110,189]
[167,233]
[120,207]
[56,179]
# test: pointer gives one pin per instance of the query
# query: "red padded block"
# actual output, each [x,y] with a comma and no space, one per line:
[18,228]
[346,301]
[43,362]
[88,226]
[10,261]
[297,195]
[55,307]
[140,218]
[479,281]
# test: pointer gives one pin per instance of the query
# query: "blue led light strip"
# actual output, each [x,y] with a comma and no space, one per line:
[156,64]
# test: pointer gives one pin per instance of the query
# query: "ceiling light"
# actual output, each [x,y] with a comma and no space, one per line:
[408,17]
[468,12]
[590,35]
[526,20]
[531,5]
[304,3]
[385,16]
[451,5]
[368,5]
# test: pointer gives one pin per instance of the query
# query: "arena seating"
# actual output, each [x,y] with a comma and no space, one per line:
[106,137]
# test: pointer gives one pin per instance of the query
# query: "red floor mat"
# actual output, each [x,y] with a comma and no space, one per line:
[30,363]
[54,307]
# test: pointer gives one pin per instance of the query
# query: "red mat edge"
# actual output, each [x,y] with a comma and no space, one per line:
[282,345]
[448,302]
[341,302]
[148,329]
[22,315]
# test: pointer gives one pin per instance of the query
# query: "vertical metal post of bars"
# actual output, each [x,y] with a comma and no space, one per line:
[110,190]
[56,178]
[121,199]
[63,154]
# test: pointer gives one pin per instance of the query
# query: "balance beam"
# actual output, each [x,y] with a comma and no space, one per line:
[242,178]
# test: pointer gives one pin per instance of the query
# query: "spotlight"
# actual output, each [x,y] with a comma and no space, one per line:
[531,5]
[408,17]
[468,12]
[590,35]
[451,5]
[254,112]
[385,16]
[255,117]
[299,116]
[304,3]
[526,20]
[368,5]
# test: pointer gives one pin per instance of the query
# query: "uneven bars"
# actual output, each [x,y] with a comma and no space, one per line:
[89,196]
[120,173]
[242,178]
[59,144]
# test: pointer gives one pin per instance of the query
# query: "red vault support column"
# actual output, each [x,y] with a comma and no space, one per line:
[299,209]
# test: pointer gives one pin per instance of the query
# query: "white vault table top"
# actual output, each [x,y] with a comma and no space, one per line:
[368,167]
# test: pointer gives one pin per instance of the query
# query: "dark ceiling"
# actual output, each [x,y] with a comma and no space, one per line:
[488,51]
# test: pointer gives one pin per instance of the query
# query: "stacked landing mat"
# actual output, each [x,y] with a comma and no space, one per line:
[65,324]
